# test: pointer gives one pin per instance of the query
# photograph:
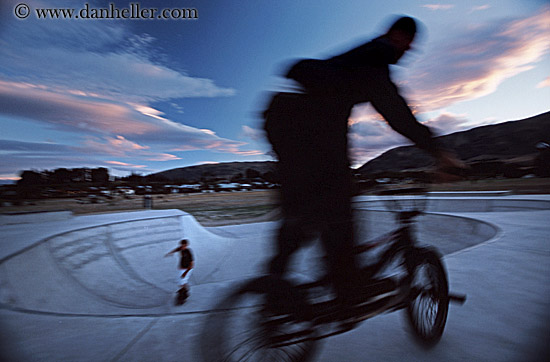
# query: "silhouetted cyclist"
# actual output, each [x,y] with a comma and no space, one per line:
[308,132]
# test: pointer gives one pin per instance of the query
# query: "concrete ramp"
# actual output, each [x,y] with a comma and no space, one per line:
[111,268]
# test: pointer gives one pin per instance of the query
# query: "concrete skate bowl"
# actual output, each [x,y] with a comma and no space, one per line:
[448,233]
[119,269]
[110,269]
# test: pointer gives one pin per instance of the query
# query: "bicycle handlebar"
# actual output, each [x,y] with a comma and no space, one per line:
[409,206]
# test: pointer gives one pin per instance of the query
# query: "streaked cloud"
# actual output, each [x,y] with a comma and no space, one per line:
[119,123]
[435,7]
[254,134]
[66,111]
[18,155]
[33,148]
[94,57]
[476,62]
[480,8]
[117,163]
[98,81]
[109,97]
[447,122]
[544,83]
[121,147]
[97,116]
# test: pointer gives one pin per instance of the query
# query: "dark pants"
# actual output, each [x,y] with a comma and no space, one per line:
[309,136]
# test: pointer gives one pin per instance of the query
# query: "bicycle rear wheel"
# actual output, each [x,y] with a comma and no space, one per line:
[429,304]
[244,328]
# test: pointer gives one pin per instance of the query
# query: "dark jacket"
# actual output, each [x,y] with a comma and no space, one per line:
[362,75]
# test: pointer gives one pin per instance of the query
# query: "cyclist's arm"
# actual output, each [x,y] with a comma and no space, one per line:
[389,103]
[386,99]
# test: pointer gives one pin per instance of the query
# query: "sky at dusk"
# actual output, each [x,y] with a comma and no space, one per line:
[142,96]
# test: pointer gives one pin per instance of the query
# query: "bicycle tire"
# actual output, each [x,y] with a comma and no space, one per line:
[429,304]
[241,329]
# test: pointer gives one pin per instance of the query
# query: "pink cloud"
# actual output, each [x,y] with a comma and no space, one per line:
[121,142]
[67,111]
[121,147]
[162,157]
[248,153]
[435,7]
[116,122]
[475,63]
[544,83]
[8,177]
[117,163]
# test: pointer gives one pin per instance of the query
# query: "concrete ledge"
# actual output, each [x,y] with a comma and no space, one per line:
[34,217]
[463,204]
[469,193]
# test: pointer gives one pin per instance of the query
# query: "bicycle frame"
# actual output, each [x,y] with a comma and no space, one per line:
[400,241]
[283,314]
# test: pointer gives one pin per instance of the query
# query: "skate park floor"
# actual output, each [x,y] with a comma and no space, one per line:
[98,287]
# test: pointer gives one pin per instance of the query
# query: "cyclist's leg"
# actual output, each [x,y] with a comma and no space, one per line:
[342,265]
[289,239]
[338,240]
[298,195]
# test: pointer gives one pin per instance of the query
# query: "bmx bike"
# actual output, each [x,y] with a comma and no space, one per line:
[268,319]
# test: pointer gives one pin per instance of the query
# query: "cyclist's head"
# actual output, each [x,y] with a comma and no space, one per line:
[404,24]
[401,34]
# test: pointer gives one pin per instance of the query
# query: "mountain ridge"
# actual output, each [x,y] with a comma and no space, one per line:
[511,141]
[224,170]
[505,142]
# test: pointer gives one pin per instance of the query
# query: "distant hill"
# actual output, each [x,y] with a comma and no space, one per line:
[508,142]
[218,170]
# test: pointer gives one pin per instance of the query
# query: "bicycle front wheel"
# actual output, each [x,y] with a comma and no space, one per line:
[429,304]
[244,328]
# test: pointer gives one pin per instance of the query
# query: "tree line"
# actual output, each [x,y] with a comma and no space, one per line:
[62,182]
[64,176]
